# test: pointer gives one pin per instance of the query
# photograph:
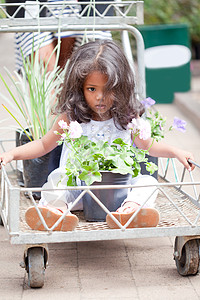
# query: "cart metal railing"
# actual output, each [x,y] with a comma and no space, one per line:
[126,12]
[169,192]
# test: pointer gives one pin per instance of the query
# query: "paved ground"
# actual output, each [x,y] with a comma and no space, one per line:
[121,269]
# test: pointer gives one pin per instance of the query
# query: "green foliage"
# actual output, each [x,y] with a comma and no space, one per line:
[2,13]
[36,92]
[157,124]
[170,12]
[87,159]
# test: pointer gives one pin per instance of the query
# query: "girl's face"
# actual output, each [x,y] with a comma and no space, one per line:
[93,89]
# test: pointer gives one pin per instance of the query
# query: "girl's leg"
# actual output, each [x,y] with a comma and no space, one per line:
[55,194]
[53,204]
[145,196]
[147,216]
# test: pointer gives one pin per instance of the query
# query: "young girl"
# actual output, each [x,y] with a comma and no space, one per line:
[98,92]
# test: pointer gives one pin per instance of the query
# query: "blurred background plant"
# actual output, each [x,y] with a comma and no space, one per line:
[179,11]
[2,15]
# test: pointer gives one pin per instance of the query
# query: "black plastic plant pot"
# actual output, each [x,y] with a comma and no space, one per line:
[111,198]
[36,171]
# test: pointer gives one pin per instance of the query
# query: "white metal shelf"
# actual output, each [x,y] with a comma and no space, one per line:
[125,12]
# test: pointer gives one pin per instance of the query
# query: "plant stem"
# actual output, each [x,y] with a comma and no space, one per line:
[151,144]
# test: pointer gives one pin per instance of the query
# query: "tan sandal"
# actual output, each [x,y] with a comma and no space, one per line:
[50,215]
[147,217]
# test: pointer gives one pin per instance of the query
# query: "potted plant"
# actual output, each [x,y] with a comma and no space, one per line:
[113,164]
[36,91]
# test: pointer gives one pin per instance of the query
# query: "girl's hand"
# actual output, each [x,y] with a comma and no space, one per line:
[5,158]
[183,157]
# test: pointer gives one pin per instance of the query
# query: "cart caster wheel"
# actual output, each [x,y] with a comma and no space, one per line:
[35,267]
[188,263]
[1,222]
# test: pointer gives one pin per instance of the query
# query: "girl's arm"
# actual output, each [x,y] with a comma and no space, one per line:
[35,148]
[161,149]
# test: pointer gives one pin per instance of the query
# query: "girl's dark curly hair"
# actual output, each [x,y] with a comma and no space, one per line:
[106,57]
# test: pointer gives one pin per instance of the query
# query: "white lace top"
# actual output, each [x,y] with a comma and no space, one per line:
[96,130]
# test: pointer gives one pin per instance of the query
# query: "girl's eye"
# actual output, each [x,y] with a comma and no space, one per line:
[91,89]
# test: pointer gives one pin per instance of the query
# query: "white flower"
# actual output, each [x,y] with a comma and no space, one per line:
[140,127]
[63,124]
[75,130]
[63,136]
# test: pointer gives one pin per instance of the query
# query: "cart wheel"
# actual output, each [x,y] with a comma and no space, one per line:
[1,222]
[35,267]
[188,263]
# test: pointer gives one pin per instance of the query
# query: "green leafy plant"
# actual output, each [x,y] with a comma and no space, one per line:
[36,91]
[92,158]
[158,122]
[87,159]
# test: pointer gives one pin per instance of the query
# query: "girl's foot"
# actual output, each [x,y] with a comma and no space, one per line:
[50,215]
[147,217]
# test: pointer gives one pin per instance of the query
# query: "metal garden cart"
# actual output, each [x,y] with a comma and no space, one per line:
[179,209]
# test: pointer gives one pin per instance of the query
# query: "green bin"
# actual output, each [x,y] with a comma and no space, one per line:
[167,60]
